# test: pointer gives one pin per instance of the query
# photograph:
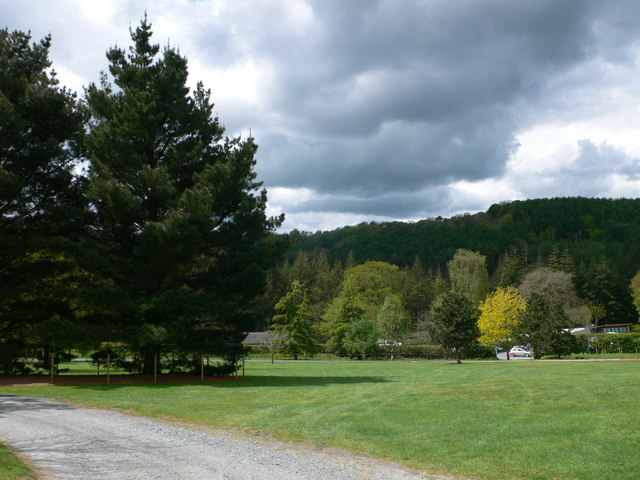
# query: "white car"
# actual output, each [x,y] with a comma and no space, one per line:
[519,351]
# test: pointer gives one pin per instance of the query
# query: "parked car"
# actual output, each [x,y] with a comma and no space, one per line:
[519,351]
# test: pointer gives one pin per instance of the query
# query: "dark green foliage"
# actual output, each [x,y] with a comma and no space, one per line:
[563,231]
[542,326]
[292,325]
[627,342]
[599,285]
[335,327]
[509,271]
[360,337]
[417,288]
[454,324]
[179,238]
[40,201]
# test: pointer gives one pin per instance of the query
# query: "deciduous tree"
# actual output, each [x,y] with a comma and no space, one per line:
[393,319]
[558,288]
[499,314]
[361,337]
[468,275]
[366,286]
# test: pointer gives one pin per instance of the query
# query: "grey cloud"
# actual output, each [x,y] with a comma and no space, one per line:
[590,173]
[379,106]
[402,156]
[392,205]
[382,97]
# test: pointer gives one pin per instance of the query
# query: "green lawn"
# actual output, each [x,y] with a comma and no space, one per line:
[11,468]
[485,420]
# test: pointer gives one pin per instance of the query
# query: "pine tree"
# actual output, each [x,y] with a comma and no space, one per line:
[40,199]
[179,240]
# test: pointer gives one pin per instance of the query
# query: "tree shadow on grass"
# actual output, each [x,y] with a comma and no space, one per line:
[17,403]
[240,382]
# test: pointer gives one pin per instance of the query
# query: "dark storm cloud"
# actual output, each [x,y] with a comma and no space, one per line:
[395,97]
[392,205]
[385,108]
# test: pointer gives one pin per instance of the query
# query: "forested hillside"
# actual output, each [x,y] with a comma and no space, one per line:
[589,230]
[582,255]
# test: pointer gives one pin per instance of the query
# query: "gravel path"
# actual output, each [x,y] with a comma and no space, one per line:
[65,442]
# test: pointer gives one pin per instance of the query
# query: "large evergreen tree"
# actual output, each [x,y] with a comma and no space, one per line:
[179,239]
[39,196]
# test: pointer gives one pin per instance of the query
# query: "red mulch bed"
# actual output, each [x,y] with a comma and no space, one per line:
[129,379]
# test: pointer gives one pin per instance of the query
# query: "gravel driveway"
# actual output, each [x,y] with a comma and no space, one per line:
[66,442]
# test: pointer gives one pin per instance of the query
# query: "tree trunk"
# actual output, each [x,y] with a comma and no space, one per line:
[458,357]
[150,356]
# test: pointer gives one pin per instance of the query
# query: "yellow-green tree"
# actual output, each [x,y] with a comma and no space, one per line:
[499,316]
[468,275]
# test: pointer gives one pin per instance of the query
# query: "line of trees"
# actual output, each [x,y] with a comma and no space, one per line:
[359,309]
[127,218]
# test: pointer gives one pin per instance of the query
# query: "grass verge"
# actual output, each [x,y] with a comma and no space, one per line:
[484,420]
[12,468]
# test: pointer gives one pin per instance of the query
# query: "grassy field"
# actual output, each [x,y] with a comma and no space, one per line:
[11,468]
[483,420]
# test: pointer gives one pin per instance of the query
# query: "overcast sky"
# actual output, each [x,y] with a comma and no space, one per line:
[393,110]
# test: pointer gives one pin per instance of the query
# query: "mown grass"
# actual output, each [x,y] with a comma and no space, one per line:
[12,468]
[484,420]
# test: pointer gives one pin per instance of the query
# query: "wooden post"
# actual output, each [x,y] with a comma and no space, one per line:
[52,368]
[155,368]
[202,368]
[235,364]
[243,366]
[108,368]
[98,366]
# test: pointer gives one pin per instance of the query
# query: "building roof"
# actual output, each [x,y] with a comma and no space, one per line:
[259,338]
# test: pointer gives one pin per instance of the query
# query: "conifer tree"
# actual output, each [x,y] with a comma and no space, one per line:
[454,323]
[178,244]
[40,199]
[292,324]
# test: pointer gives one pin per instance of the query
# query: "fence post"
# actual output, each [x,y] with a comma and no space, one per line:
[155,368]
[108,368]
[202,368]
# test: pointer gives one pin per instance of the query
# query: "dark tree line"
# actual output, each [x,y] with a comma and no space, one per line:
[161,244]
[588,230]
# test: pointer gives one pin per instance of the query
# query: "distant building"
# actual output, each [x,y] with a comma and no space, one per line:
[614,328]
[259,338]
